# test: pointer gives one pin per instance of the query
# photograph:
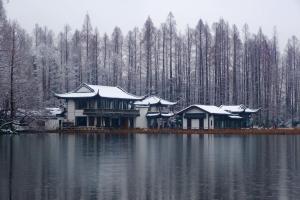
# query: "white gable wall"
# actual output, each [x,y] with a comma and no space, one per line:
[141,121]
[83,90]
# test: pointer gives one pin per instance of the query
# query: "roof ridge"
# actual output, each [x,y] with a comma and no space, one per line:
[128,92]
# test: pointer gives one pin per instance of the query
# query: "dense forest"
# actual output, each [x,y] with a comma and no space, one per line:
[207,64]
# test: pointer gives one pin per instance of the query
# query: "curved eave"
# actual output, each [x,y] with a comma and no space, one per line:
[159,115]
[168,104]
[219,114]
[69,96]
[76,96]
[253,111]
[134,97]
[157,101]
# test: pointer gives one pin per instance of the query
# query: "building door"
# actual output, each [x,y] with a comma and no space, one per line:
[91,121]
[107,122]
[124,123]
[189,123]
[115,122]
[201,124]
[131,123]
[60,124]
[99,121]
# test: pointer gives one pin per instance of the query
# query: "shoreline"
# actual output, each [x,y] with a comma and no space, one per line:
[273,131]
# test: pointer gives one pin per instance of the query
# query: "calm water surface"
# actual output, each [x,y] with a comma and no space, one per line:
[129,167]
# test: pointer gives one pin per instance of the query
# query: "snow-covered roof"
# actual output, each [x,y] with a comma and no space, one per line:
[238,109]
[171,114]
[55,111]
[207,108]
[157,114]
[249,110]
[233,108]
[153,114]
[87,91]
[152,100]
[235,117]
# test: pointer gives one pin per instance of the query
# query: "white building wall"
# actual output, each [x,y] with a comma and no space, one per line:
[71,110]
[53,124]
[184,123]
[141,121]
[208,120]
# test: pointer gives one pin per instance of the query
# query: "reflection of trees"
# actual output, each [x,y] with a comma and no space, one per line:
[10,177]
[148,167]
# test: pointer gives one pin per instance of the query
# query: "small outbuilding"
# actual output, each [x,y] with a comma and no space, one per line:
[203,117]
[241,116]
[155,112]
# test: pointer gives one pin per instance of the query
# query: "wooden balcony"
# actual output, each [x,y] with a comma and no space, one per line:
[111,112]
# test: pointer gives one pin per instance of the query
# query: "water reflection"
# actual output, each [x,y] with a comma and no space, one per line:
[149,167]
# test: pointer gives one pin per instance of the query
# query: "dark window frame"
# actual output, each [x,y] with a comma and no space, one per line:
[81,104]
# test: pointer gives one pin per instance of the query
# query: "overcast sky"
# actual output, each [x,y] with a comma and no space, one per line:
[106,14]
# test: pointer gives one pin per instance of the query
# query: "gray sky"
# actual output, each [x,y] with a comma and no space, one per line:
[106,14]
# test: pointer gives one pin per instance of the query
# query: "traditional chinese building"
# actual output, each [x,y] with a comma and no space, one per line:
[100,106]
[211,117]
[203,117]
[155,112]
[241,116]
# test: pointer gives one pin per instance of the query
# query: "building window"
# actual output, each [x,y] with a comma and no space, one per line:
[104,104]
[81,121]
[91,104]
[125,105]
[116,104]
[101,103]
[107,104]
[81,104]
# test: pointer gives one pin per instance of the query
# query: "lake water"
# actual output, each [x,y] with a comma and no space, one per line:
[159,167]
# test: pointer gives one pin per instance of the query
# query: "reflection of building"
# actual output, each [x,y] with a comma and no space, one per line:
[154,112]
[100,106]
[210,117]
